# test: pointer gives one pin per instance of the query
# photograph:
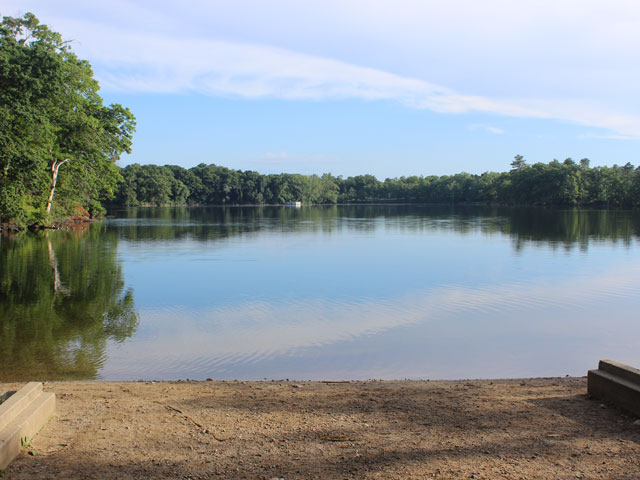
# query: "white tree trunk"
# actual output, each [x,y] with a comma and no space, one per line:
[55,167]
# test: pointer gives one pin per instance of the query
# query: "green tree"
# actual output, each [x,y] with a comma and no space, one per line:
[59,143]
[518,163]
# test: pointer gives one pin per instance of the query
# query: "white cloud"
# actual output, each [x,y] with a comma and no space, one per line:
[488,128]
[288,160]
[160,47]
[277,156]
[161,64]
[611,136]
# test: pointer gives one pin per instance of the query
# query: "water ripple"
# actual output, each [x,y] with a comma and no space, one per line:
[190,343]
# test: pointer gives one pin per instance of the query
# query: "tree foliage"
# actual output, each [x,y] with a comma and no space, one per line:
[58,142]
[555,183]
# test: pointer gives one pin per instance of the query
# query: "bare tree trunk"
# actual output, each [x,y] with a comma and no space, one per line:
[54,178]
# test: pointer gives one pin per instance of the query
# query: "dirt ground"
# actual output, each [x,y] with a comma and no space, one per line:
[513,429]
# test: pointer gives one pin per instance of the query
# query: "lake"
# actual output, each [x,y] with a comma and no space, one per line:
[326,292]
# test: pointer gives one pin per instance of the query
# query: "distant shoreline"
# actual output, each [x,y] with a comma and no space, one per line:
[78,222]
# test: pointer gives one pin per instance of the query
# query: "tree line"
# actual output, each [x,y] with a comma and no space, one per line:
[59,146]
[553,183]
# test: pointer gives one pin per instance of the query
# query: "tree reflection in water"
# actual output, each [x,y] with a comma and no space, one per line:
[62,297]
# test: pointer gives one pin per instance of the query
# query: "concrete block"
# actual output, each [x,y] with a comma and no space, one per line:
[616,383]
[17,402]
[620,370]
[29,410]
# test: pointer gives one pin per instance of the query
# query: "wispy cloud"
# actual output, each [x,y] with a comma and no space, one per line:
[135,61]
[487,128]
[288,160]
[277,156]
[611,136]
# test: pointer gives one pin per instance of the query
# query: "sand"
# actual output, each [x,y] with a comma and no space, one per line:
[513,429]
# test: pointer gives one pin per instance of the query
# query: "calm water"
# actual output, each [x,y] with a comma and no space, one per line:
[322,293]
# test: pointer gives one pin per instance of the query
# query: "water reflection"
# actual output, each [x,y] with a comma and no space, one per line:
[567,227]
[249,340]
[62,297]
[322,292]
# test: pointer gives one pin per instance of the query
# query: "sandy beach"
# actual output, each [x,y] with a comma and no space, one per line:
[480,429]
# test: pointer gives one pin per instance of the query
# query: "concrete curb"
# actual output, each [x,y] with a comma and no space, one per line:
[23,414]
[616,383]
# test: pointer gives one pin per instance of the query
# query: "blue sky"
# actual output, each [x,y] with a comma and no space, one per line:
[391,88]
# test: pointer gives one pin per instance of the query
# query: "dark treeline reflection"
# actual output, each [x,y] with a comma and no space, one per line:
[62,297]
[525,224]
